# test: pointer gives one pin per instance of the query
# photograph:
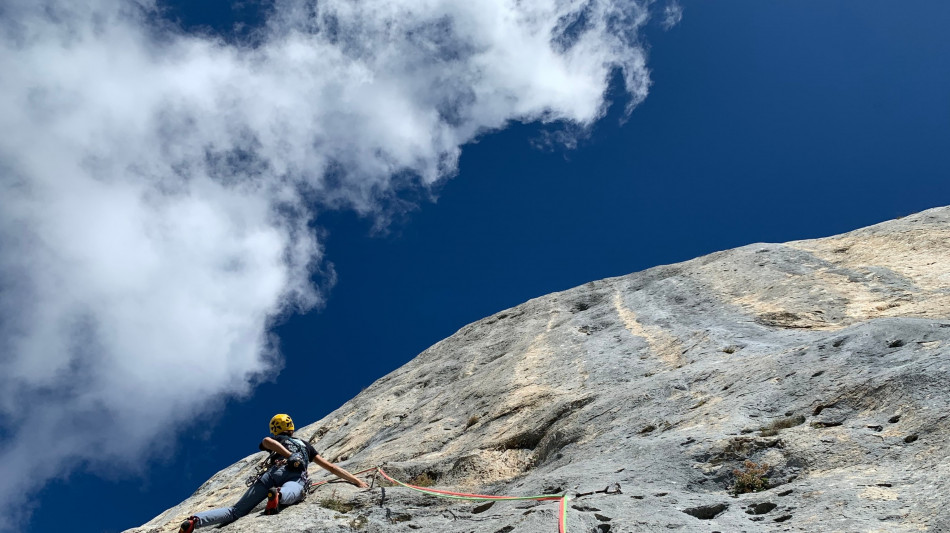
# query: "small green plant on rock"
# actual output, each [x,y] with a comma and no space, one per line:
[334,503]
[772,429]
[750,478]
[422,480]
[395,519]
[359,522]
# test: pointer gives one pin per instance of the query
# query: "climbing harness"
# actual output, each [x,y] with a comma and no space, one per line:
[296,446]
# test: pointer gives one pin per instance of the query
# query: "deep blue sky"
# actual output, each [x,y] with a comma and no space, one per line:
[767,121]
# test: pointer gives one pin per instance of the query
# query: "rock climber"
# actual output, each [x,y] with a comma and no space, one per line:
[282,484]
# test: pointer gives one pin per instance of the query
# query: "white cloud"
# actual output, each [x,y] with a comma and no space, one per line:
[156,187]
[672,14]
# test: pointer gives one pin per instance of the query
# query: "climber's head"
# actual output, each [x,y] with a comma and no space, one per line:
[281,424]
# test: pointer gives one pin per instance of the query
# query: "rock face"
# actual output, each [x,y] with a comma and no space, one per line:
[775,387]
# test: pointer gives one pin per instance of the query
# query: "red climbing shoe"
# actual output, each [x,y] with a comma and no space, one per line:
[188,525]
[273,500]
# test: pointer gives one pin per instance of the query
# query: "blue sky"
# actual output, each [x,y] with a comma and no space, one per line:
[765,122]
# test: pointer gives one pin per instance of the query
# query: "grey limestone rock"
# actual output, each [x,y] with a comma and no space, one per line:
[774,387]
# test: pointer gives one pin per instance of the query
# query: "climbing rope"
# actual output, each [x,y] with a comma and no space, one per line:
[313,485]
[562,498]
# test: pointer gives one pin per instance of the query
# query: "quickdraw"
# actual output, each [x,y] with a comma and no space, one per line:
[266,464]
[262,467]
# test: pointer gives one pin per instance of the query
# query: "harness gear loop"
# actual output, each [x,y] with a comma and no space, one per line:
[262,468]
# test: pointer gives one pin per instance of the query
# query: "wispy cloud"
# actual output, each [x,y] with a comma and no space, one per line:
[672,14]
[156,187]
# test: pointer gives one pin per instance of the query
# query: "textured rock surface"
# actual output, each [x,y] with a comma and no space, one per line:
[826,360]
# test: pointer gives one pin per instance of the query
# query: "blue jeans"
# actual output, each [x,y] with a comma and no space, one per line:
[291,491]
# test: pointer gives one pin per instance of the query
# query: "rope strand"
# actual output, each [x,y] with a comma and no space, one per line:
[562,498]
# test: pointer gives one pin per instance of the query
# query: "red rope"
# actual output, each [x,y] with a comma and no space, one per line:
[562,507]
[467,495]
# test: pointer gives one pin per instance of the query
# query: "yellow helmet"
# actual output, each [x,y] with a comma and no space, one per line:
[281,423]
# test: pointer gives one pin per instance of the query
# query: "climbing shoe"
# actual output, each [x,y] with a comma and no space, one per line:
[188,525]
[273,501]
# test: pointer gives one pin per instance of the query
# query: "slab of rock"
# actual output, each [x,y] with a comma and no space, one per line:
[775,387]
